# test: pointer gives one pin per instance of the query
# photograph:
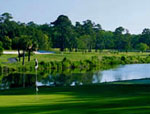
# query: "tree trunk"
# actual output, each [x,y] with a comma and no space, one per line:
[90,49]
[76,50]
[19,54]
[96,49]
[61,49]
[23,57]
[70,49]
[29,54]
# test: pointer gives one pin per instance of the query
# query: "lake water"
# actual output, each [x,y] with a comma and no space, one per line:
[126,72]
[121,73]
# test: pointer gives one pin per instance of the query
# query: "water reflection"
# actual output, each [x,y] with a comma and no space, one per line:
[18,80]
[23,79]
[126,72]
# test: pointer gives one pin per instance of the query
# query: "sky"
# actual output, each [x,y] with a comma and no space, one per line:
[133,15]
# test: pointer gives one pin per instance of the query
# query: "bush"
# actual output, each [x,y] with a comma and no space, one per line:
[111,60]
[66,63]
[123,58]
[76,64]
[95,60]
[53,65]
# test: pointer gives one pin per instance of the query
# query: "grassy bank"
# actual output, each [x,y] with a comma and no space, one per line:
[79,60]
[101,99]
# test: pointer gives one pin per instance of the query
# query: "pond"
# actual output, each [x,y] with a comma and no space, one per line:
[121,73]
[125,72]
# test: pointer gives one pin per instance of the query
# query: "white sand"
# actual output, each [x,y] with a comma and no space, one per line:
[10,52]
[16,52]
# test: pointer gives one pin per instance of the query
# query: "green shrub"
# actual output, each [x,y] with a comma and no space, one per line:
[53,65]
[123,58]
[66,63]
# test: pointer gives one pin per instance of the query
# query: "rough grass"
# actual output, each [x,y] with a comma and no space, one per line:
[95,99]
[73,56]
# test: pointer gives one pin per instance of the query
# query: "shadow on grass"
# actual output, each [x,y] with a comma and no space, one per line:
[86,89]
[84,108]
[104,99]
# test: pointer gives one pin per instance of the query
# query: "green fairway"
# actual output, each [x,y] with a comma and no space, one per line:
[101,99]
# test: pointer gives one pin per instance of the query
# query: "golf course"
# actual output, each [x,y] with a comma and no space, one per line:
[74,57]
[107,98]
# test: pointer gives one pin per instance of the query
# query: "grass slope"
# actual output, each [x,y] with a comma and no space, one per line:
[72,56]
[94,99]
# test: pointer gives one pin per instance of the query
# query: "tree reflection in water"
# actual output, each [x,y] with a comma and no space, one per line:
[18,80]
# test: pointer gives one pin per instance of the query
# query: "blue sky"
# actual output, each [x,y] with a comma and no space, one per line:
[131,14]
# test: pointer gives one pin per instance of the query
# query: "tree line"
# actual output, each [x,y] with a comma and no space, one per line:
[62,34]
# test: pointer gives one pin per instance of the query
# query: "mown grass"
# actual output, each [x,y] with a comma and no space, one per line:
[95,99]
